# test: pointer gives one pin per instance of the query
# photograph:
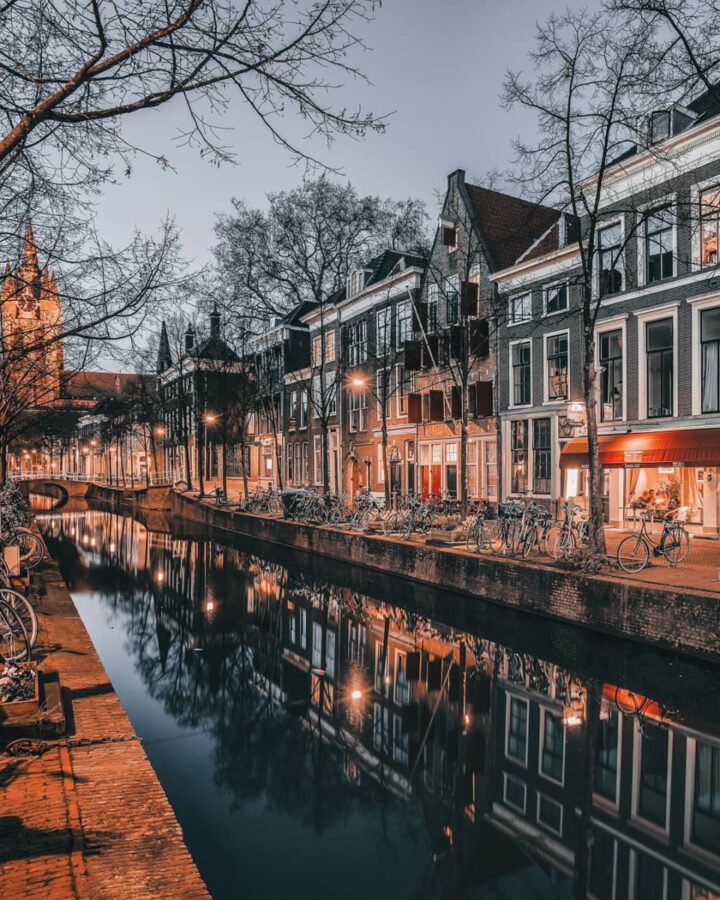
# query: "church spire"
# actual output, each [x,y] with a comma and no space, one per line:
[164,360]
[30,248]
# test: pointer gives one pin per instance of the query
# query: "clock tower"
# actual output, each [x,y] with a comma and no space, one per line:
[31,321]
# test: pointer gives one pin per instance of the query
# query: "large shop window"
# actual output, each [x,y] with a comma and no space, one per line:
[706,797]
[519,455]
[611,380]
[710,344]
[709,226]
[659,250]
[521,373]
[659,352]
[542,456]
[557,366]
[609,255]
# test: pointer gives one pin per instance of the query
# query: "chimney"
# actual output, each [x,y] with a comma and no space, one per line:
[215,323]
[189,339]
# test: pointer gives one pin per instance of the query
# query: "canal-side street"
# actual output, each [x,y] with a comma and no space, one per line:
[87,818]
[292,706]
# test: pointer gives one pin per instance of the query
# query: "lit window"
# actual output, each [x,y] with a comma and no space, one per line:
[556,347]
[611,379]
[710,362]
[659,352]
[709,226]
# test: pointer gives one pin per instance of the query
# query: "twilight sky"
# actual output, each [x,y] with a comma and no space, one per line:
[438,65]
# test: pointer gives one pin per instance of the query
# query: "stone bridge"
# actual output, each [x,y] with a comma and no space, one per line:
[60,487]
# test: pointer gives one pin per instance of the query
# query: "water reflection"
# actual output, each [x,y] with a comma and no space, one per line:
[412,759]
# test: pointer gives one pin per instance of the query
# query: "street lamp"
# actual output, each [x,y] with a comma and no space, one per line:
[208,419]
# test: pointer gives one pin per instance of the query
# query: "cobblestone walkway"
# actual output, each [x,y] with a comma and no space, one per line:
[88,818]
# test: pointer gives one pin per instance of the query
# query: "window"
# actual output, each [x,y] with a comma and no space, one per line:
[318,357]
[609,262]
[330,654]
[521,373]
[490,470]
[556,298]
[383,390]
[653,782]
[710,359]
[357,411]
[292,624]
[552,757]
[357,342]
[298,462]
[606,760]
[293,409]
[611,378]
[383,321]
[514,793]
[324,401]
[520,308]
[549,813]
[381,727]
[649,878]
[452,300]
[709,226]
[519,455]
[317,645]
[317,453]
[542,456]
[517,730]
[404,385]
[380,670]
[705,825]
[432,309]
[402,686]
[290,463]
[451,471]
[303,408]
[659,250]
[401,742]
[601,878]
[556,349]
[403,315]
[305,461]
[303,628]
[659,352]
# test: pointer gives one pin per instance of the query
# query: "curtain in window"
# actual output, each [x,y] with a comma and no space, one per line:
[710,399]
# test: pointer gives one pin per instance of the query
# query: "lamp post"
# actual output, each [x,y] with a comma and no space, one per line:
[208,419]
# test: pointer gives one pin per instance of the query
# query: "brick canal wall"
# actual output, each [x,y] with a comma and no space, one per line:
[119,498]
[680,620]
[88,818]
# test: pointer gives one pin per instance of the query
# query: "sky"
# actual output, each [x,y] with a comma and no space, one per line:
[436,66]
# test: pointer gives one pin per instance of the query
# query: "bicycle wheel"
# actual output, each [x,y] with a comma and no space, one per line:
[32,548]
[561,543]
[529,542]
[677,544]
[633,554]
[14,642]
[498,539]
[24,608]
[393,523]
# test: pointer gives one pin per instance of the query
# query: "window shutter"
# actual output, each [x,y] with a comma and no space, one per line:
[434,674]
[419,317]
[413,356]
[456,341]
[437,404]
[456,402]
[410,716]
[480,338]
[472,400]
[469,296]
[430,348]
[414,408]
[483,399]
[413,666]
[448,234]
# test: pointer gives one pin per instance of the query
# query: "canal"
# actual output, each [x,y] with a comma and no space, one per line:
[325,732]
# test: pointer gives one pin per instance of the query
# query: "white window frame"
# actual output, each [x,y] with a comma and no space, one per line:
[636,760]
[544,796]
[616,323]
[666,311]
[621,261]
[317,459]
[690,759]
[509,696]
[698,305]
[614,864]
[562,401]
[669,201]
[600,798]
[632,874]
[400,339]
[506,461]
[541,743]
[695,192]
[563,282]
[511,308]
[403,387]
[511,373]
[508,777]
[383,315]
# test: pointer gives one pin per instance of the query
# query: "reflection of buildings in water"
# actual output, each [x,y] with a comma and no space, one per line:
[485,737]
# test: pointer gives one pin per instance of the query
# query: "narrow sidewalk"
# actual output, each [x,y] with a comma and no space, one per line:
[88,818]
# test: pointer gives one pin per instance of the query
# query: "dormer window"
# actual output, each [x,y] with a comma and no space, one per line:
[356,282]
[659,126]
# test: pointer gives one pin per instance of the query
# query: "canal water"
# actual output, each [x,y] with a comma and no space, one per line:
[324,732]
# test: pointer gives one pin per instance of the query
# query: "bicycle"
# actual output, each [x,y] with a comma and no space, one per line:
[538,527]
[14,641]
[505,531]
[563,538]
[633,552]
[476,537]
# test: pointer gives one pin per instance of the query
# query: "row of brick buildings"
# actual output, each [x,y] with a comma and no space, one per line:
[417,363]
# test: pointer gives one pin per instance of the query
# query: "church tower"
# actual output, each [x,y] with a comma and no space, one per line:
[31,322]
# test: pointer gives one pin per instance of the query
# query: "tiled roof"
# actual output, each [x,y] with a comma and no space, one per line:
[550,241]
[510,225]
[214,348]
[95,385]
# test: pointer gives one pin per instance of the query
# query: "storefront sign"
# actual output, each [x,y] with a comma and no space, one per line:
[632,457]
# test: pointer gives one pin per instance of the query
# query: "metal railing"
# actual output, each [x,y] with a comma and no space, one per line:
[155,479]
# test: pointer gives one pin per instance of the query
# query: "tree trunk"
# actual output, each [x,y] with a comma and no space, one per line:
[200,451]
[223,455]
[463,457]
[386,467]
[596,518]
[243,464]
[325,449]
[3,462]
[188,461]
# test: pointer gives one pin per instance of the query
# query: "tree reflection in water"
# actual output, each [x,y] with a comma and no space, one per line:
[497,773]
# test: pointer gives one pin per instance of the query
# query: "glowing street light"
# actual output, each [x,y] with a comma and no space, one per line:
[356,695]
[358,382]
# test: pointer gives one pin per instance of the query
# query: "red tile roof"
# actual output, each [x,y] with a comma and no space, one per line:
[95,385]
[510,225]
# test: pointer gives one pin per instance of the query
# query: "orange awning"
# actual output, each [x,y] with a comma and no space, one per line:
[679,447]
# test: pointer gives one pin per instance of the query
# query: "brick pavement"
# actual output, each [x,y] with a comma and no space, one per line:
[88,818]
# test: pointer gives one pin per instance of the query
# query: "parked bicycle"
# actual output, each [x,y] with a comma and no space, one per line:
[567,535]
[634,551]
[476,536]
